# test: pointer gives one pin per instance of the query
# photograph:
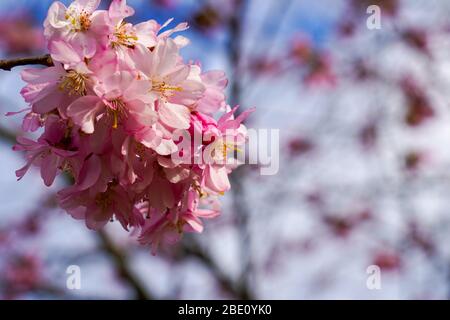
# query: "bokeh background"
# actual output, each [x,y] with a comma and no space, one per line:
[364,179]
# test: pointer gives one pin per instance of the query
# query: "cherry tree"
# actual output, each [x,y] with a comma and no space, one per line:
[363,119]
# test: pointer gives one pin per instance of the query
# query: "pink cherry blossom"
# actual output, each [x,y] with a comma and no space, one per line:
[80,24]
[111,111]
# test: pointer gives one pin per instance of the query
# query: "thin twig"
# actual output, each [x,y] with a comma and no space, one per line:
[44,60]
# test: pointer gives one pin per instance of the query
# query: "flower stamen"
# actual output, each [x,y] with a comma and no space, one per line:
[74,83]
[164,89]
[80,22]
[117,108]
[124,37]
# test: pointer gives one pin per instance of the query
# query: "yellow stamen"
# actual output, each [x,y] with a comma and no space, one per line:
[123,38]
[229,146]
[164,89]
[117,108]
[115,121]
[74,83]
[199,190]
[80,22]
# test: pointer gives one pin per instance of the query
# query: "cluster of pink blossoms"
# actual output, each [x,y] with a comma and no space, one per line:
[112,108]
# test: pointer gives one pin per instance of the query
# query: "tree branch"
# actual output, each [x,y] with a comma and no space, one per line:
[239,290]
[45,60]
[123,268]
[240,206]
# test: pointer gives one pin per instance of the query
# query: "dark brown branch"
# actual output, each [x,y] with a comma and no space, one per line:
[44,60]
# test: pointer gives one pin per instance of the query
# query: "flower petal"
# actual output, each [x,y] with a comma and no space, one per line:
[174,115]
[84,110]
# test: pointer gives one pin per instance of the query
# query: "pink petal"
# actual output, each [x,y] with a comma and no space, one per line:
[61,51]
[176,175]
[146,32]
[217,179]
[46,75]
[49,168]
[13,113]
[207,213]
[192,92]
[149,138]
[194,223]
[215,78]
[84,110]
[90,173]
[166,147]
[48,99]
[174,115]
[88,5]
[119,10]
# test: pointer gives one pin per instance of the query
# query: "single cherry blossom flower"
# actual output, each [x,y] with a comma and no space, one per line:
[79,24]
